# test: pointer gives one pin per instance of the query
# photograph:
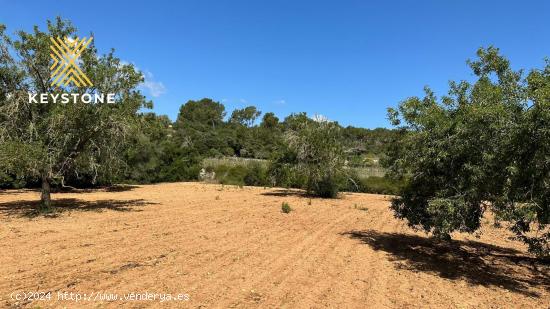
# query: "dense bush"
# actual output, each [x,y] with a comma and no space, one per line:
[328,186]
[285,175]
[256,176]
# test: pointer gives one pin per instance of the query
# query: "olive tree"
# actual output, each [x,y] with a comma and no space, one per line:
[317,155]
[50,141]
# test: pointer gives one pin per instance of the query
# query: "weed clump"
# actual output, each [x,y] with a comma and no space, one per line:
[285,208]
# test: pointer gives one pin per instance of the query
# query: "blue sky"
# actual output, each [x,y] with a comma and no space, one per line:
[347,60]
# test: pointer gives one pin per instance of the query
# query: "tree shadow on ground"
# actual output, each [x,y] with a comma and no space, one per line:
[30,209]
[15,191]
[300,193]
[284,193]
[113,188]
[476,262]
[121,188]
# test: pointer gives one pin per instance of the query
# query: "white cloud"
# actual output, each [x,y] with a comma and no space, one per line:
[155,88]
[280,102]
[243,101]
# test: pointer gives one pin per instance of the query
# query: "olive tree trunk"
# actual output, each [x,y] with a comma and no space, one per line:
[45,197]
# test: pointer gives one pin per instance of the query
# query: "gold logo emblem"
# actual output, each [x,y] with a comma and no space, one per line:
[64,69]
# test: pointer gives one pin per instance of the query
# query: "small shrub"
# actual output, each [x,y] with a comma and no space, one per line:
[355,206]
[327,187]
[285,208]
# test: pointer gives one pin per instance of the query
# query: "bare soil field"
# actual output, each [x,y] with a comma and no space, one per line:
[230,247]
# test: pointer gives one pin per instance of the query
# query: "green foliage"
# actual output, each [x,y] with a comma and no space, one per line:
[256,176]
[327,186]
[282,170]
[314,155]
[85,145]
[483,145]
[364,147]
[379,185]
[201,113]
[154,154]
[270,121]
[245,116]
[230,175]
[285,208]
[253,174]
[53,142]
[160,152]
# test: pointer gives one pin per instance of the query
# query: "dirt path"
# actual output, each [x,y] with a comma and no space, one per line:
[229,247]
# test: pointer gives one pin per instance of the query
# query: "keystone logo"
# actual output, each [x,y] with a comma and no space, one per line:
[65,53]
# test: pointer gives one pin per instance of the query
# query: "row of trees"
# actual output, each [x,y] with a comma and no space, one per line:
[70,145]
[302,151]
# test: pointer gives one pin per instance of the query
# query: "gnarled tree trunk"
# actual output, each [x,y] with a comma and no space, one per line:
[45,197]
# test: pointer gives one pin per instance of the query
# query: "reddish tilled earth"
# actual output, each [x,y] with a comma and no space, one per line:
[229,247]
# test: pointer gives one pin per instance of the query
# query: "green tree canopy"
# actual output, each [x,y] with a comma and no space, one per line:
[245,116]
[314,152]
[204,112]
[269,121]
[51,141]
[485,144]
